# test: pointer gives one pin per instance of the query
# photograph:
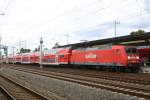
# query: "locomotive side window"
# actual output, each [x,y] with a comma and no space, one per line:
[118,51]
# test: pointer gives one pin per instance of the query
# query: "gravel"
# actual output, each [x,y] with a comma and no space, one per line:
[3,95]
[63,89]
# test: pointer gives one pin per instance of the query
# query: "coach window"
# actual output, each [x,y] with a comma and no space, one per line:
[61,56]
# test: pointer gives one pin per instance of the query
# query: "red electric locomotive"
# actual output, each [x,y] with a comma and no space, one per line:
[119,57]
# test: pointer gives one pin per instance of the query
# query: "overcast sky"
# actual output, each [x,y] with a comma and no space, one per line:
[28,20]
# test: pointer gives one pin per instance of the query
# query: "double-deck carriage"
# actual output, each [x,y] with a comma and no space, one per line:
[18,58]
[11,59]
[25,58]
[34,58]
[50,57]
[5,59]
[58,56]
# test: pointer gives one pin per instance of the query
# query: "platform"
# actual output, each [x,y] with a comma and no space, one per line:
[145,69]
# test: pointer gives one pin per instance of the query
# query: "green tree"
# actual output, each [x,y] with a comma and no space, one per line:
[36,49]
[45,48]
[139,32]
[22,50]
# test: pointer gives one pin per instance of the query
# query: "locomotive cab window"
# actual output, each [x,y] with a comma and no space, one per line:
[131,50]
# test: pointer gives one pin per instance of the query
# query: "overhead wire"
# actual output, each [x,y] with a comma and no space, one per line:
[5,9]
[146,11]
[7,6]
[98,10]
[1,6]
[63,14]
[75,8]
[136,15]
[72,10]
[112,5]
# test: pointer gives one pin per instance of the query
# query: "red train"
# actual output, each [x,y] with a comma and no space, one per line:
[117,57]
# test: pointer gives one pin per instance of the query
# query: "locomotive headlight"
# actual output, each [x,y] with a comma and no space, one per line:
[129,57]
[137,57]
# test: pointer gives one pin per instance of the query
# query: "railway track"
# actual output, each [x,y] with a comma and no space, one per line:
[139,90]
[123,77]
[111,77]
[17,91]
[4,95]
[142,79]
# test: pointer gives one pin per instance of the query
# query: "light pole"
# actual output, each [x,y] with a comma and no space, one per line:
[115,26]
[41,42]
[5,50]
[1,45]
[66,36]
[13,54]
[0,51]
[6,53]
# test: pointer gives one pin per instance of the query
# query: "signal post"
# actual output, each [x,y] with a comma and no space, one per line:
[41,54]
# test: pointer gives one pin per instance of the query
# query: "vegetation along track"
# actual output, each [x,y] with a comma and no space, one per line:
[138,90]
[17,91]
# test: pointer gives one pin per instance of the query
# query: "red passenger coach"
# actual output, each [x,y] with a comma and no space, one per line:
[18,58]
[50,57]
[5,59]
[34,58]
[56,56]
[11,59]
[64,55]
[25,58]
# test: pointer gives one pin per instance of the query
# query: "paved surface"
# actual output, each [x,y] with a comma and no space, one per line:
[146,69]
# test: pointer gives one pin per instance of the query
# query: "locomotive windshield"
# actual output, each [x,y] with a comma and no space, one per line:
[131,50]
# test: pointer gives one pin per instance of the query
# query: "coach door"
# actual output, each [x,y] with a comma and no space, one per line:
[56,56]
[117,58]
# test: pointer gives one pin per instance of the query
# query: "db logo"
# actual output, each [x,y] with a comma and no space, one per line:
[90,56]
